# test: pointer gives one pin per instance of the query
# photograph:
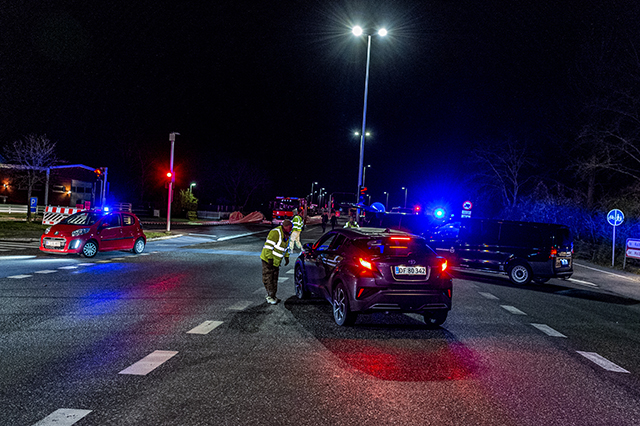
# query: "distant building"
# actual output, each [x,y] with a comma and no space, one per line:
[68,186]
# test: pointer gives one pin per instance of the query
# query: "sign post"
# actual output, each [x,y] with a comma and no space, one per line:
[615,218]
[466,209]
[632,250]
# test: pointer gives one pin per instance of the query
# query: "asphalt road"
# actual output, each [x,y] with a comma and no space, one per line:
[79,338]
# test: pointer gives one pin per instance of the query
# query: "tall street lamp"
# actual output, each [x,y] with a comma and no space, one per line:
[364,174]
[191,187]
[172,139]
[357,31]
[405,197]
[386,205]
[312,183]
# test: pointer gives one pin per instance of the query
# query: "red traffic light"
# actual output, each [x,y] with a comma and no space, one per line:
[169,174]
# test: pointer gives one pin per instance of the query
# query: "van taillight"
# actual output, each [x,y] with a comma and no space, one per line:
[554,253]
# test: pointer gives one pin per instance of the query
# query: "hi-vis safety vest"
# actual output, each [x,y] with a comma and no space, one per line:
[275,247]
[297,223]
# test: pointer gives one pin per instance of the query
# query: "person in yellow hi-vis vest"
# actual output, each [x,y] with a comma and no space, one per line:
[298,222]
[273,252]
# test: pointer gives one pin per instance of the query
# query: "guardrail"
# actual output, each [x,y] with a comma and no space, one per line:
[19,208]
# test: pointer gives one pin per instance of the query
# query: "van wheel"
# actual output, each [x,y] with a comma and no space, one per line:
[520,273]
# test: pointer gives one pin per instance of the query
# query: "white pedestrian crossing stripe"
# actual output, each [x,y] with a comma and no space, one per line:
[19,277]
[548,330]
[602,362]
[513,310]
[205,327]
[240,306]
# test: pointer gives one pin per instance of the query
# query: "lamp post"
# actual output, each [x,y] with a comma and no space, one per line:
[172,139]
[364,174]
[312,183]
[191,187]
[357,31]
[405,197]
[386,205]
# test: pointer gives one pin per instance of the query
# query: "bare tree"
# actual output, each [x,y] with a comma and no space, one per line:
[33,154]
[502,168]
[241,179]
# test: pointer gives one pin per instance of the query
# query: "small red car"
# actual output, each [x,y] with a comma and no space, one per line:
[88,232]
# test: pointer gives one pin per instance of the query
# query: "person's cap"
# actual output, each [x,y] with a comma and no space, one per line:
[287,222]
[295,211]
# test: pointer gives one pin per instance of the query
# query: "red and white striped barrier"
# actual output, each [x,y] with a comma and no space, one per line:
[53,215]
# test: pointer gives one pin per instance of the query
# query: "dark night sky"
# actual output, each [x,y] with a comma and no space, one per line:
[281,83]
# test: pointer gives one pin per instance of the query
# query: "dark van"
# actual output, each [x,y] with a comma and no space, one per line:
[521,250]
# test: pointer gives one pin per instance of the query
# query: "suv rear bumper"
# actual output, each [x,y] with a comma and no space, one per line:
[409,300]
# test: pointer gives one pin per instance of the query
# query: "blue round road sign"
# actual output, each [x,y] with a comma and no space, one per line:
[615,217]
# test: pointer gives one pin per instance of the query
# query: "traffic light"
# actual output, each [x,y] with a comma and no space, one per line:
[171,177]
[416,209]
[99,172]
[362,195]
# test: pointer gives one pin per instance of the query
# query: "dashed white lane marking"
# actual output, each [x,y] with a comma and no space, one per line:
[548,330]
[573,280]
[63,417]
[240,306]
[603,362]
[103,261]
[282,279]
[19,277]
[116,258]
[86,264]
[144,254]
[205,327]
[290,271]
[488,296]
[513,309]
[45,271]
[68,267]
[149,363]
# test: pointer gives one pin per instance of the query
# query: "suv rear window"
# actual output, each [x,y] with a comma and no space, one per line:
[394,246]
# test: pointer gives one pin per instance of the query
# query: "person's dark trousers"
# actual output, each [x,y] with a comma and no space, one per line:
[270,278]
[324,227]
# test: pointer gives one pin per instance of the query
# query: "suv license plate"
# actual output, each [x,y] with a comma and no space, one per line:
[410,270]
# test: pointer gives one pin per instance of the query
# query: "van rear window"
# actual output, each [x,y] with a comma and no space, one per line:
[394,246]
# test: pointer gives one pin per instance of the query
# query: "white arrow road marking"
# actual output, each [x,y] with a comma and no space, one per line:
[149,363]
[513,309]
[602,362]
[205,327]
[548,330]
[488,296]
[63,417]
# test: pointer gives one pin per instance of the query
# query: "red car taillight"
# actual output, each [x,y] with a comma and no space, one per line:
[444,266]
[367,268]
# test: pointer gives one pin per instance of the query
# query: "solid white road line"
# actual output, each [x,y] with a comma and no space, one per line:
[63,417]
[573,280]
[19,277]
[149,363]
[488,296]
[240,306]
[45,271]
[603,362]
[205,327]
[548,330]
[513,309]
[68,267]
[605,272]
[233,237]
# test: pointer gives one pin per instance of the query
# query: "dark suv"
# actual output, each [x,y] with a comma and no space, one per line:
[521,250]
[375,269]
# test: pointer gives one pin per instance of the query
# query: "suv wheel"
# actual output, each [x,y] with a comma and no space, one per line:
[300,285]
[436,318]
[341,312]
[520,273]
